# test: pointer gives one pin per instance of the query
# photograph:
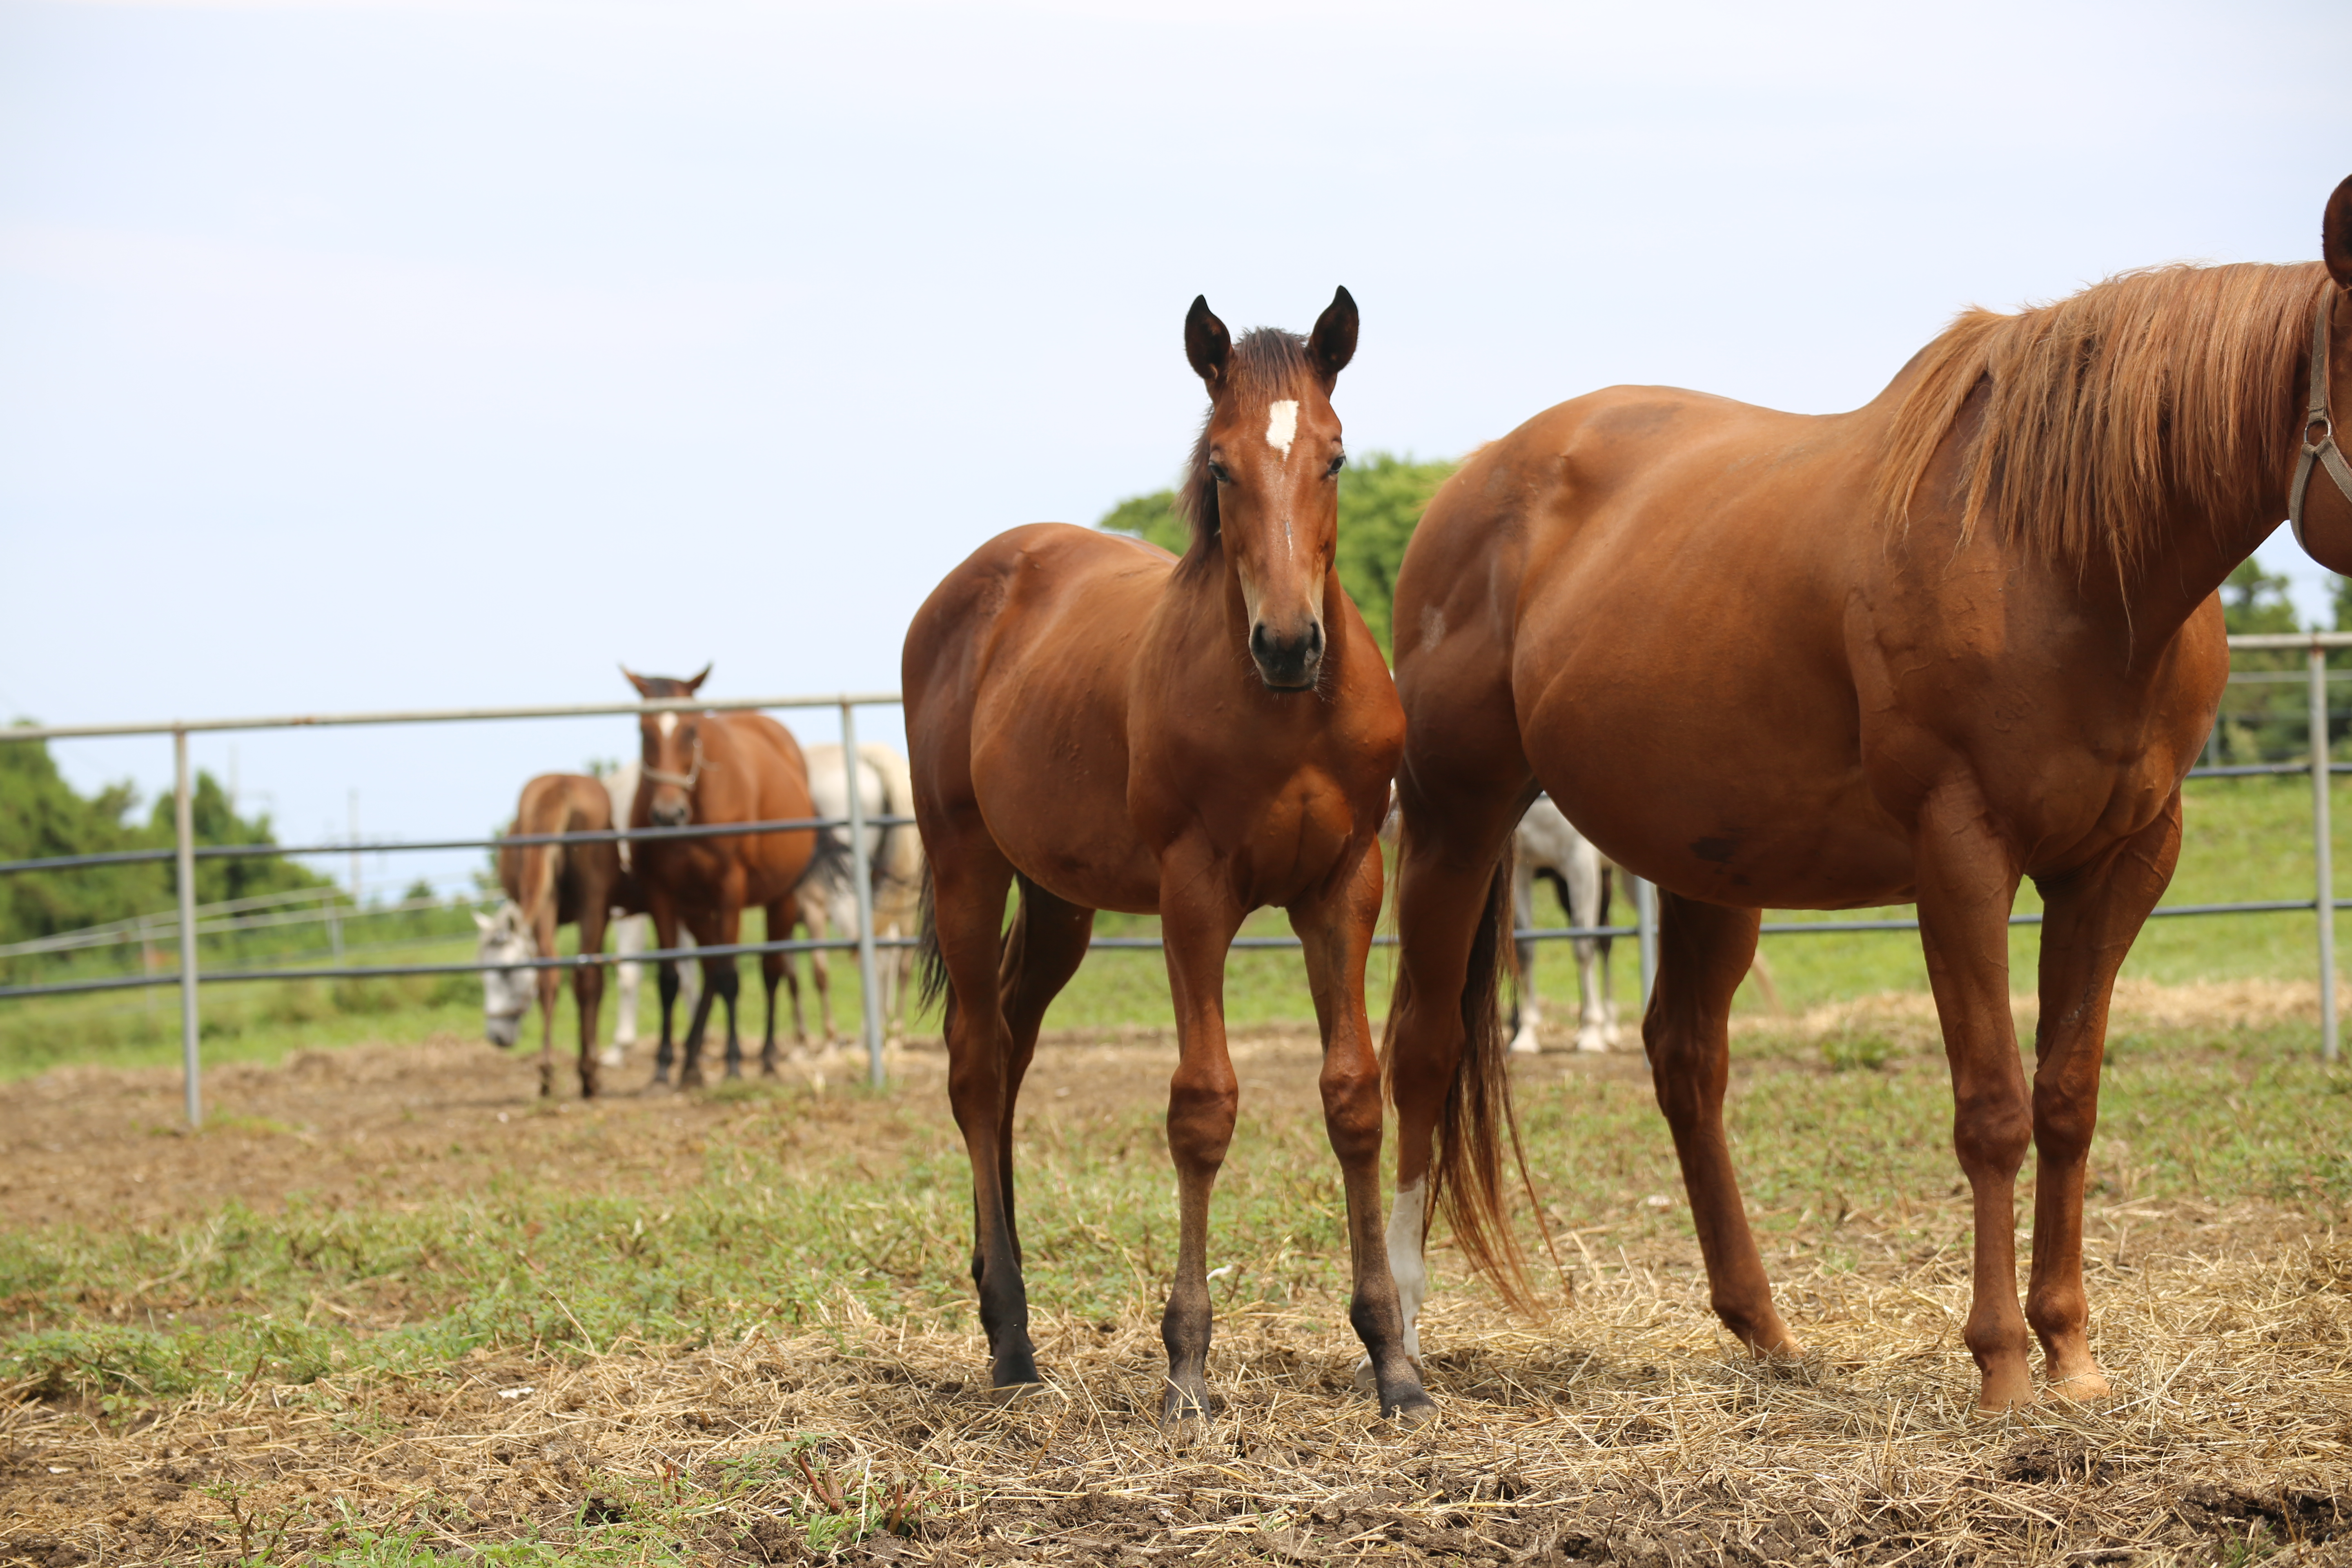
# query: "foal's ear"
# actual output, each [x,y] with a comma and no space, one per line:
[1206,343]
[638,681]
[2335,235]
[483,923]
[1334,343]
[695,684]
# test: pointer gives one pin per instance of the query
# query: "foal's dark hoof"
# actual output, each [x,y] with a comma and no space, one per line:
[1414,1409]
[1014,1392]
[691,1079]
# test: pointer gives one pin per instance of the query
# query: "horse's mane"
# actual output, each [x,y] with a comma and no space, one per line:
[2173,383]
[1264,364]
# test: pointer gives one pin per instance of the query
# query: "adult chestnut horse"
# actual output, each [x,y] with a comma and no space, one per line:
[553,885]
[1964,634]
[1115,729]
[717,768]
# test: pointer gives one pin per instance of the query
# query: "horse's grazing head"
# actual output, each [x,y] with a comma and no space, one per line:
[2325,526]
[506,992]
[672,744]
[1265,480]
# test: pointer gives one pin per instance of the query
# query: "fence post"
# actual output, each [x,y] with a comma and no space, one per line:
[184,827]
[862,874]
[2323,853]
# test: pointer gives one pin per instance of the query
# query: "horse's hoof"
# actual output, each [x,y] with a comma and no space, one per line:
[1367,1381]
[1414,1409]
[2083,1388]
[1006,1393]
[1526,1044]
[734,1072]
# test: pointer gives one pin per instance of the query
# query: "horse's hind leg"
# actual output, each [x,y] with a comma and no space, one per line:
[970,879]
[1524,1039]
[1337,932]
[2088,924]
[588,993]
[1582,880]
[1703,952]
[1045,948]
[774,967]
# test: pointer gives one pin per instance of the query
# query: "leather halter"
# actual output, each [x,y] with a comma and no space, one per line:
[2323,451]
[685,780]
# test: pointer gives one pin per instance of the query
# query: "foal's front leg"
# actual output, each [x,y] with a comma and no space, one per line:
[1198,918]
[2090,920]
[1336,932]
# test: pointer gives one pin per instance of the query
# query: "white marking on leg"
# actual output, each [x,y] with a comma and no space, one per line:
[1405,1262]
[1281,425]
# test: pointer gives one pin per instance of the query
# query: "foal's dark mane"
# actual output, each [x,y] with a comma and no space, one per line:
[1265,364]
[2176,382]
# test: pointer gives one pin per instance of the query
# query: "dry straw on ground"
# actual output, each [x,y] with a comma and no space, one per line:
[1623,1431]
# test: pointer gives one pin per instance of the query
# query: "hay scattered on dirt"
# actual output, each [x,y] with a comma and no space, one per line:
[1624,1431]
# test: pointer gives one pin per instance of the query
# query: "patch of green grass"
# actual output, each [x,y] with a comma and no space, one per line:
[802,1208]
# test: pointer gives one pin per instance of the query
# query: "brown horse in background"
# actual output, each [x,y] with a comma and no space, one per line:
[1965,635]
[717,768]
[1112,728]
[554,884]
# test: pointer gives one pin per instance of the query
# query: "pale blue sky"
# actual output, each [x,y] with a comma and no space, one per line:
[369,354]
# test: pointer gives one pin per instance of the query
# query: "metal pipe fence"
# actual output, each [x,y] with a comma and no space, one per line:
[186,853]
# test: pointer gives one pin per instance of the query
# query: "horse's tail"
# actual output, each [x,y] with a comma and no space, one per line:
[930,964]
[1467,1178]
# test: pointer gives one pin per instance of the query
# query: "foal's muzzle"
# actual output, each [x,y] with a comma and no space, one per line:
[1288,662]
[671,813]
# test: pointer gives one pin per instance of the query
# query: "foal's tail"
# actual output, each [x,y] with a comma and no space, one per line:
[1466,1177]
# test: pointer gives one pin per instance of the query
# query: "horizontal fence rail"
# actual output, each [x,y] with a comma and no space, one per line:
[186,853]
[505,841]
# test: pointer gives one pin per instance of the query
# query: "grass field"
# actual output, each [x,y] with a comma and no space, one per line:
[2247,839]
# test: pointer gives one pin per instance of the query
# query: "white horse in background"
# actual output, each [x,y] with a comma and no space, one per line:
[829,896]
[1548,845]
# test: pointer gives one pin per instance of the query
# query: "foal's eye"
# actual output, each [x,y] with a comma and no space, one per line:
[1217,472]
[1337,464]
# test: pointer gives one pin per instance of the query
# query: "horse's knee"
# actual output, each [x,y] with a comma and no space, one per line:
[1351,1111]
[1202,1109]
[2064,1120]
[1991,1133]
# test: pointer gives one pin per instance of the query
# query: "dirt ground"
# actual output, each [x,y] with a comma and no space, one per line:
[1624,1430]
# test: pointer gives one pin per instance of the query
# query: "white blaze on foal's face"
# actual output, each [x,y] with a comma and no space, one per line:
[1282,425]
[666,724]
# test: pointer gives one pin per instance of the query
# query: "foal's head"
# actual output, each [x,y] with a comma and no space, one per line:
[1265,480]
[672,746]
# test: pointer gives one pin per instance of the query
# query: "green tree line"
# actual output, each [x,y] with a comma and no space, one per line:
[42,815]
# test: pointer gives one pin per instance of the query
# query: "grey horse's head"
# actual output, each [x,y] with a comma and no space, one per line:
[507,992]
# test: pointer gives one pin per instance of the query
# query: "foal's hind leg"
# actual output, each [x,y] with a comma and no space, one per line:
[2089,921]
[970,877]
[1045,948]
[1337,934]
[1703,954]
